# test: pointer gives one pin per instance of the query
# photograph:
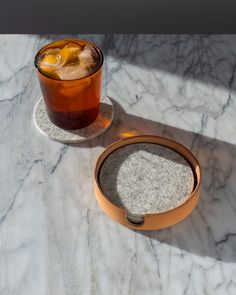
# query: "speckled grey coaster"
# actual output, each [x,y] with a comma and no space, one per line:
[46,127]
[146,178]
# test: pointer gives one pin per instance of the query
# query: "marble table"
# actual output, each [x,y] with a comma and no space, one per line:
[54,239]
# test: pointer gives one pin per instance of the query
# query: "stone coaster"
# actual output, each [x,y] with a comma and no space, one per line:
[146,178]
[46,127]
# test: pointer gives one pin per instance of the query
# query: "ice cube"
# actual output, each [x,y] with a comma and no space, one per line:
[72,72]
[88,58]
[50,60]
[70,52]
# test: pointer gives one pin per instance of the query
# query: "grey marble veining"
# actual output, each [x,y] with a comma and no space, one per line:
[54,239]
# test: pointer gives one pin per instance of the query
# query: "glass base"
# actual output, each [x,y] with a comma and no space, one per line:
[48,128]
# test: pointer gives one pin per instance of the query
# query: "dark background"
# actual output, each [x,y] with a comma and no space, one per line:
[118,16]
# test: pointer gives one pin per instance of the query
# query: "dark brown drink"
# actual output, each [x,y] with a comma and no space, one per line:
[70,75]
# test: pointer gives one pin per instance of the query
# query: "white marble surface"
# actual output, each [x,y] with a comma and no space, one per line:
[54,239]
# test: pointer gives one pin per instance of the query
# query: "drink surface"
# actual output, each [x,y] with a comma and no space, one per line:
[68,60]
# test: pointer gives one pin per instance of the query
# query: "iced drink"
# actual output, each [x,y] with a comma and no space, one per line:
[70,73]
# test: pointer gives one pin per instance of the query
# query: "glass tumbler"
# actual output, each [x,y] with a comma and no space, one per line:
[71,104]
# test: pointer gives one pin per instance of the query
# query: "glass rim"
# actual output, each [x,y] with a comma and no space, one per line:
[71,39]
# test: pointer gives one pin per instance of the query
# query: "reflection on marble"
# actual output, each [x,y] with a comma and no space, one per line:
[54,239]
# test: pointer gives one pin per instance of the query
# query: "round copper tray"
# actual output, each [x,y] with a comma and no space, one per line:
[157,220]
